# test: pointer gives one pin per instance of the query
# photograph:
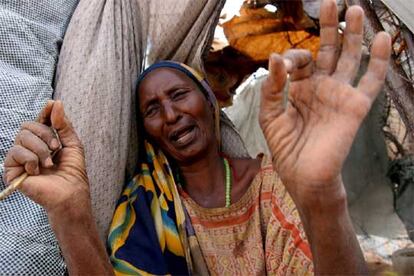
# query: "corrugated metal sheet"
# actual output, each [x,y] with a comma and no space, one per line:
[404,10]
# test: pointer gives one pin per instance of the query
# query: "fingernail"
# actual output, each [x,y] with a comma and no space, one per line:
[48,162]
[272,59]
[54,144]
[288,64]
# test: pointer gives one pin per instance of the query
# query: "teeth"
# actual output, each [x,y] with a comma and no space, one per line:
[183,136]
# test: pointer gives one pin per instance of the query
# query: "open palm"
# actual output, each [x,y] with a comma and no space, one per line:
[311,137]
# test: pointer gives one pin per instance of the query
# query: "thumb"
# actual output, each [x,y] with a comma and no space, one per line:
[63,126]
[44,116]
[272,87]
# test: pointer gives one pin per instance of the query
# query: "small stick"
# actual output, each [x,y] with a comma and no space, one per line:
[13,186]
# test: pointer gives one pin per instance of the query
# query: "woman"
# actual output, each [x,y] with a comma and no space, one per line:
[169,217]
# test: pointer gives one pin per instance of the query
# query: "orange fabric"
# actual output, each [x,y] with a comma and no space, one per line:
[260,234]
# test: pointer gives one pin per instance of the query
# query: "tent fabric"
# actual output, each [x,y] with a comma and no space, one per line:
[244,113]
[31,34]
[404,10]
[106,45]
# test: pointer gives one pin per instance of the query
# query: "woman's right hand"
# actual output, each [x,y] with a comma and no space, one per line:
[60,185]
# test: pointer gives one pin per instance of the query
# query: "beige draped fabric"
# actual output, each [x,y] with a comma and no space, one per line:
[108,42]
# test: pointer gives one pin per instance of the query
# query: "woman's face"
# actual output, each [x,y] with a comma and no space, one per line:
[176,115]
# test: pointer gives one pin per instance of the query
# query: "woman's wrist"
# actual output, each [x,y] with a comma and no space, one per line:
[328,200]
[76,210]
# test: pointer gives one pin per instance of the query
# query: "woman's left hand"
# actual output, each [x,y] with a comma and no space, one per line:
[310,140]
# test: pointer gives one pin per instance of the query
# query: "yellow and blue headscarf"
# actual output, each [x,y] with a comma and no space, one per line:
[149,233]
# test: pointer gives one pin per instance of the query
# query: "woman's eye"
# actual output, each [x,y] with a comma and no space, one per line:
[178,95]
[151,111]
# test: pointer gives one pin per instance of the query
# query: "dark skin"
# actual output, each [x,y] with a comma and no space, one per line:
[308,141]
[172,106]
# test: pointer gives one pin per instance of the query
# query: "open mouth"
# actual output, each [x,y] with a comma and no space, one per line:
[183,136]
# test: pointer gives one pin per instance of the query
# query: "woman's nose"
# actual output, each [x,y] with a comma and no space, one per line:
[171,115]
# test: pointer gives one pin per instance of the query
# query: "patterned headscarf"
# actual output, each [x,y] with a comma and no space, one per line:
[150,233]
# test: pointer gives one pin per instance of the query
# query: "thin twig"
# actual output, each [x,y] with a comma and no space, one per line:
[13,186]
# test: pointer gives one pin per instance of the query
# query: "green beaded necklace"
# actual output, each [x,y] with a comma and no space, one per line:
[228,181]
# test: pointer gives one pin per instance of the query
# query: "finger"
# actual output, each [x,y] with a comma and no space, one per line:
[350,58]
[43,132]
[30,141]
[63,126]
[271,100]
[372,81]
[328,51]
[298,63]
[19,156]
[44,116]
[10,173]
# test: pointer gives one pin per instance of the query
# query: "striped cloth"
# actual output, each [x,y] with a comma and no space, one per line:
[147,234]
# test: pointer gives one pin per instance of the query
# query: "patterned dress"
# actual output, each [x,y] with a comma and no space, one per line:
[257,235]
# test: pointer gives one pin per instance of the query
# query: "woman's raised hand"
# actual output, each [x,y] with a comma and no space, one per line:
[310,139]
[57,184]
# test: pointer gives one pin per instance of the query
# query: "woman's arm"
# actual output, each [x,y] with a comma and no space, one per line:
[331,235]
[310,138]
[60,186]
[79,241]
